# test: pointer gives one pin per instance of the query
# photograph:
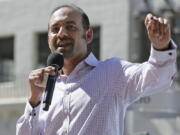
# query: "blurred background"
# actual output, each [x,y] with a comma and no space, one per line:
[118,31]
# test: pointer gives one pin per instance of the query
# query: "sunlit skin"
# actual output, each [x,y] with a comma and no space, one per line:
[67,36]
[159,32]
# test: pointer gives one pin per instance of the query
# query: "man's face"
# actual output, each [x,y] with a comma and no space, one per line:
[66,34]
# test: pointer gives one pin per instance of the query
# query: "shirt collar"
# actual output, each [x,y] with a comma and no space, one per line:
[91,60]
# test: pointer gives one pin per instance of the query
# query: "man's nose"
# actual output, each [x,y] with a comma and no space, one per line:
[62,32]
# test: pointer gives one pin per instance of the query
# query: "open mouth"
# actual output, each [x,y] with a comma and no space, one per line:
[64,42]
[63,45]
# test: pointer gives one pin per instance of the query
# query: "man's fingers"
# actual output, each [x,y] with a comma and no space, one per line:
[50,70]
[161,26]
[166,22]
[148,18]
[35,78]
[158,30]
[151,23]
[38,75]
[167,29]
[166,26]
[161,20]
[156,25]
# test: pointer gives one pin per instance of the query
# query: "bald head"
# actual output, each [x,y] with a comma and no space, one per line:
[84,17]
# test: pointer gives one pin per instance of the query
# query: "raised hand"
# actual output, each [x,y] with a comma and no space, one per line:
[159,31]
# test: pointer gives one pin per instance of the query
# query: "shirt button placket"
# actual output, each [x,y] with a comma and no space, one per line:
[64,131]
[66,112]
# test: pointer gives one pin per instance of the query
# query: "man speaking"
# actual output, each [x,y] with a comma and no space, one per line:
[91,97]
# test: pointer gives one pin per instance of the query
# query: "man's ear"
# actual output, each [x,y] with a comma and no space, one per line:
[89,36]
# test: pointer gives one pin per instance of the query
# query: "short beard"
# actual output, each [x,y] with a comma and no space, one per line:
[84,36]
[89,48]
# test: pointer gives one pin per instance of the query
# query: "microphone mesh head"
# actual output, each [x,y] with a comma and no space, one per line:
[55,59]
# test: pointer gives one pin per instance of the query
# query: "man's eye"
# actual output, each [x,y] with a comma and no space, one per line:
[55,29]
[71,28]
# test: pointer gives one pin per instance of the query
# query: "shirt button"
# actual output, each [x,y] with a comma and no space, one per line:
[66,92]
[170,53]
[64,132]
[65,111]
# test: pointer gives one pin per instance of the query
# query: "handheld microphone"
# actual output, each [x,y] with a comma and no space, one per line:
[56,60]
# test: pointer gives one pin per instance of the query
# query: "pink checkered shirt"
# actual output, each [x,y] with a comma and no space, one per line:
[93,99]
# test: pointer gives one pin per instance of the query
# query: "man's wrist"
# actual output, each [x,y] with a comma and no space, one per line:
[168,47]
[34,103]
